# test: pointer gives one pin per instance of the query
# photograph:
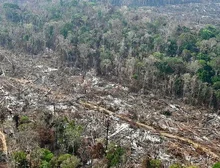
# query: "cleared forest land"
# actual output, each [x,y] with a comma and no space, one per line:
[85,84]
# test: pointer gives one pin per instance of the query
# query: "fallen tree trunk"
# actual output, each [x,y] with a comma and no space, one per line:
[147,127]
[3,146]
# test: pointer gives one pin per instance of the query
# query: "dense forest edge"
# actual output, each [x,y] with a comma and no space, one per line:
[146,53]
[136,47]
[136,3]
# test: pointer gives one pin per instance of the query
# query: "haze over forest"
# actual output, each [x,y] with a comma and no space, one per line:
[110,83]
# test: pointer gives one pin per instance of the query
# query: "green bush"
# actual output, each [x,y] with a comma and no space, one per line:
[176,166]
[158,55]
[204,57]
[45,164]
[164,67]
[155,163]
[5,39]
[217,165]
[206,73]
[71,162]
[41,158]
[114,155]
[53,162]
[68,135]
[135,76]
[20,159]
[65,29]
[216,78]
[24,119]
[62,158]
[11,5]
[151,163]
[208,32]
[179,166]
[12,13]
[45,154]
[216,85]
[65,161]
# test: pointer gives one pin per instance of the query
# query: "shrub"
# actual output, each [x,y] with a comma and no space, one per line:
[155,163]
[57,161]
[62,158]
[71,162]
[68,135]
[41,158]
[20,159]
[176,166]
[11,5]
[24,119]
[164,67]
[206,34]
[45,164]
[216,85]
[151,163]
[158,55]
[114,155]
[216,78]
[65,161]
[12,12]
[135,76]
[53,162]
[217,165]
[45,154]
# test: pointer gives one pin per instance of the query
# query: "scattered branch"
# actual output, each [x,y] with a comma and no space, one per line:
[141,125]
